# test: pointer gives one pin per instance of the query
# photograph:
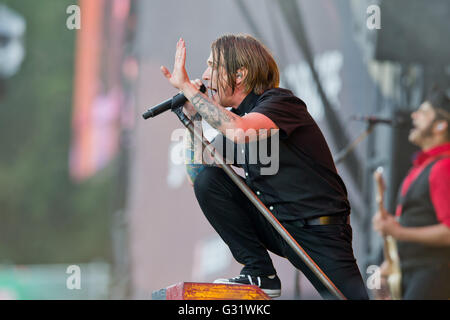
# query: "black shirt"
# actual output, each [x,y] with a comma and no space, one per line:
[306,184]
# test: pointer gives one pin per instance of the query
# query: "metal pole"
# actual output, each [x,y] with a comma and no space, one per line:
[262,208]
[343,153]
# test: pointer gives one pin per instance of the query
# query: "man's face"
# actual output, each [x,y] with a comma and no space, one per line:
[423,124]
[221,91]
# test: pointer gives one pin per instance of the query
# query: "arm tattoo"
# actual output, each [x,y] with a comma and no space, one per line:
[194,152]
[213,114]
[193,170]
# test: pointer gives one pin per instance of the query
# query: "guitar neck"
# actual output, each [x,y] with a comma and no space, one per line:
[378,175]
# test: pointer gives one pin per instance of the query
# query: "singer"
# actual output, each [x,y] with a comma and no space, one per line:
[306,194]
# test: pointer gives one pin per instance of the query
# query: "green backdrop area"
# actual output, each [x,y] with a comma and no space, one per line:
[44,217]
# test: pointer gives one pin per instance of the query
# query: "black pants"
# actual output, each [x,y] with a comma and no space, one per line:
[249,235]
[426,282]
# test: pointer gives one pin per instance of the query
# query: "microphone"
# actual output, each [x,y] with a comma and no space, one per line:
[396,121]
[171,103]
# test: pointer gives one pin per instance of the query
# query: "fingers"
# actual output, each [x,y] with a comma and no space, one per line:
[178,77]
[197,83]
[376,218]
[385,268]
[377,222]
[380,225]
[165,72]
[180,54]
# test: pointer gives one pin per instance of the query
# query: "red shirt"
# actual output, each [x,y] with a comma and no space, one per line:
[439,180]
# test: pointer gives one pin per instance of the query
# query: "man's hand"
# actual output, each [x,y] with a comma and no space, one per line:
[385,269]
[179,77]
[386,224]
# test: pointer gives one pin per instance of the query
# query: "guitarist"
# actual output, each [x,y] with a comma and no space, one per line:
[422,227]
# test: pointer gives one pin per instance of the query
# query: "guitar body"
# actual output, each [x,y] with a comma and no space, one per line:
[395,276]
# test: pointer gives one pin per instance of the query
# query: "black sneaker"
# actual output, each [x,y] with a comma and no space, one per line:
[271,285]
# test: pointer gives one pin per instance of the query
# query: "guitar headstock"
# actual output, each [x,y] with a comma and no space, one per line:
[381,187]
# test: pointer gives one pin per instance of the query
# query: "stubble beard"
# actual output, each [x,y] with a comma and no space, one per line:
[419,137]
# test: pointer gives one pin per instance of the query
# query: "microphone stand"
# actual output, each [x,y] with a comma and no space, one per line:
[352,145]
[261,207]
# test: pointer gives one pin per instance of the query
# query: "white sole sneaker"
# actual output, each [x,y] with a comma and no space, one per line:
[272,293]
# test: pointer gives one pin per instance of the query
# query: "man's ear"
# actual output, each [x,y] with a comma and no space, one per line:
[241,74]
[442,125]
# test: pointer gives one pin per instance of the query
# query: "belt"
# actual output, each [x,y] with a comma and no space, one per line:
[324,220]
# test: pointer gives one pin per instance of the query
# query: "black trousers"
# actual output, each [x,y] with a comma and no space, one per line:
[426,282]
[249,235]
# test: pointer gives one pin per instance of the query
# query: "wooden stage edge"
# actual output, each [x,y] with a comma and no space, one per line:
[209,291]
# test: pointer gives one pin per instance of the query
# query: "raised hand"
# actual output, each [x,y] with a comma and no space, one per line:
[178,78]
